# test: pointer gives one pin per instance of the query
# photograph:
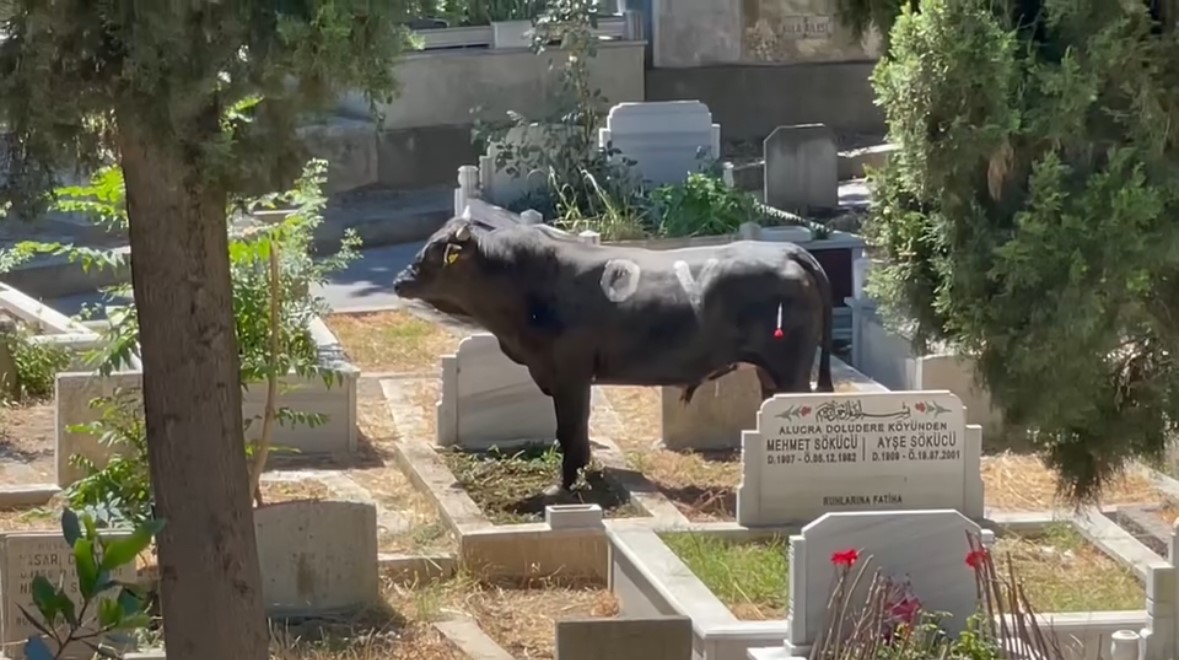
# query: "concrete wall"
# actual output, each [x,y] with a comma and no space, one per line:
[424,135]
[693,33]
[750,101]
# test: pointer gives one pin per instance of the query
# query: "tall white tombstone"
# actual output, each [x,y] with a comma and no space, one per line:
[666,139]
[927,547]
[488,400]
[817,453]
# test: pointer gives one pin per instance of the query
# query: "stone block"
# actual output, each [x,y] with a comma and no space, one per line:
[349,146]
[666,638]
[488,400]
[928,547]
[816,453]
[317,558]
[666,139]
[74,391]
[802,169]
[573,516]
[717,415]
[24,555]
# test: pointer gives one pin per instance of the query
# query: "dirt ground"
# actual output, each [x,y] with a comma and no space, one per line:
[393,341]
[27,443]
[520,617]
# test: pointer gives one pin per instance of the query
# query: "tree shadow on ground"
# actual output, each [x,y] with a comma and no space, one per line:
[367,455]
[697,502]
[345,634]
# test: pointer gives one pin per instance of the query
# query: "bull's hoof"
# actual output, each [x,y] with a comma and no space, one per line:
[554,490]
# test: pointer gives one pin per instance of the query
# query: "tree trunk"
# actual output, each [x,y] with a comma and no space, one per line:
[210,584]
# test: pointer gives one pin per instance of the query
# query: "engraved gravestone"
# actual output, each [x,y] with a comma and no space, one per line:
[24,555]
[817,453]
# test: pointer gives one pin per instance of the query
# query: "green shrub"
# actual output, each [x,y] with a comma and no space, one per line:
[703,205]
[1026,218]
[37,364]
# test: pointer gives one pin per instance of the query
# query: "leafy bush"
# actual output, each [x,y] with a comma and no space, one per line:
[61,620]
[119,493]
[1026,217]
[37,364]
[703,205]
[272,316]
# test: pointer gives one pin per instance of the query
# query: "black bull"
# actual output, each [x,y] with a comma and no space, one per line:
[577,314]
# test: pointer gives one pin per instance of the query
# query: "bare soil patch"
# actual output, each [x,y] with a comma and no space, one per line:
[393,341]
[27,438]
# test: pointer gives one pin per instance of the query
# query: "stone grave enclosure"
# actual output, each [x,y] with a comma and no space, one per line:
[337,436]
[318,558]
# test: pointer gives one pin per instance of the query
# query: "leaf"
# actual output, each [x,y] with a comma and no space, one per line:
[71,529]
[125,550]
[37,649]
[45,598]
[86,566]
[110,614]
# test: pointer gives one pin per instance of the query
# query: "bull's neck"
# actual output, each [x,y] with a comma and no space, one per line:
[515,275]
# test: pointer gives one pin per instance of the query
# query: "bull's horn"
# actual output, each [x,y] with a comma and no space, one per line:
[462,234]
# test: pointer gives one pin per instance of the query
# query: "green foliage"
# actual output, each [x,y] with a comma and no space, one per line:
[101,614]
[703,205]
[119,492]
[583,187]
[36,364]
[1026,218]
[161,74]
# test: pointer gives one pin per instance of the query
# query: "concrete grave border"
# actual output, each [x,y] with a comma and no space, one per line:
[340,396]
[649,579]
[571,541]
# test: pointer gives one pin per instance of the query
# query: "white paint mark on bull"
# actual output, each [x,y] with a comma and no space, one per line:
[620,279]
[694,286]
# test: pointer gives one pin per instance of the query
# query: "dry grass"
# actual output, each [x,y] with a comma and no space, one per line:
[31,519]
[520,617]
[701,485]
[1062,572]
[287,491]
[388,484]
[394,341]
[1023,483]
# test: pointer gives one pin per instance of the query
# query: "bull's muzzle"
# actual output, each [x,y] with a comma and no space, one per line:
[405,282]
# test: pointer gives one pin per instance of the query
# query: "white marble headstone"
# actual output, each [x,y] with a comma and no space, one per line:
[488,400]
[817,453]
[666,139]
[928,547]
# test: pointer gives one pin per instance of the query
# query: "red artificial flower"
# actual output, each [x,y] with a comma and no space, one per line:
[806,410]
[846,558]
[920,407]
[976,558]
[906,610]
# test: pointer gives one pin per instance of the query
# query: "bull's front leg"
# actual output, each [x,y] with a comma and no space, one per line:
[572,404]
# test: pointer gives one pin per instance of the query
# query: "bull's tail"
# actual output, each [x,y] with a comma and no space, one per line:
[826,344]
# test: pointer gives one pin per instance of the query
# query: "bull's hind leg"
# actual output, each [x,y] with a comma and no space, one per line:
[785,370]
[572,404]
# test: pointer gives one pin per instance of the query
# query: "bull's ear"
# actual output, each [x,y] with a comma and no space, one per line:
[462,234]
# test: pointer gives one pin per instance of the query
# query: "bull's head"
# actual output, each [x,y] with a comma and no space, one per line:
[442,267]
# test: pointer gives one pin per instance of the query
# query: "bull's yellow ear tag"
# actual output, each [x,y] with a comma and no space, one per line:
[452,257]
[452,254]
